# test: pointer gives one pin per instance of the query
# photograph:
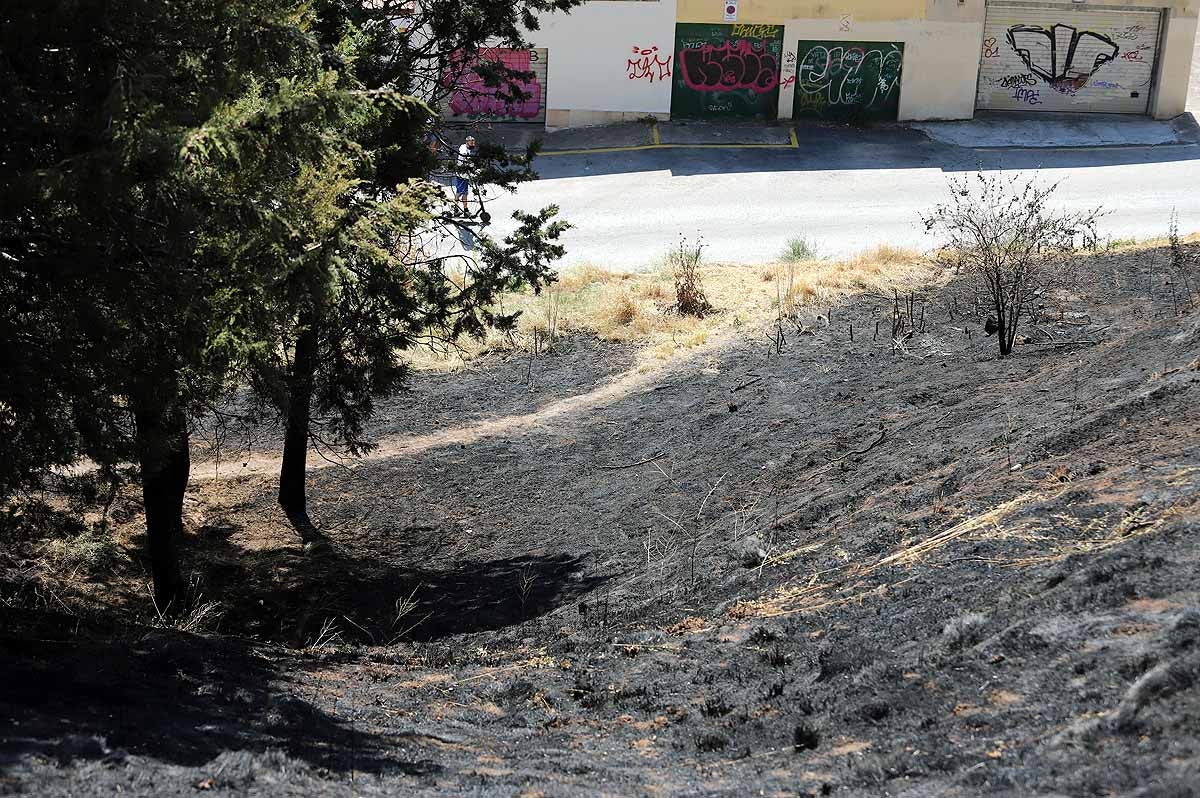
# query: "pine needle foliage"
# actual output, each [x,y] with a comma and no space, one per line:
[192,188]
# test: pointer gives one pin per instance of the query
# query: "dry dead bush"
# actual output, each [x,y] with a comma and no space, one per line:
[690,299]
[1002,235]
[624,310]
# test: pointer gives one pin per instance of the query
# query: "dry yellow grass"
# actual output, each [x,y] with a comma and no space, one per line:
[638,307]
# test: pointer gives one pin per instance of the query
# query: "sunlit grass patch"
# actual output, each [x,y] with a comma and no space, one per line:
[640,307]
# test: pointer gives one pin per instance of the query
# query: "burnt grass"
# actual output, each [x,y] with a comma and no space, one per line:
[831,567]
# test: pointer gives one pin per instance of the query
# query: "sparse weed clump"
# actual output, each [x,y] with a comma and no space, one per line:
[93,551]
[1184,270]
[690,299]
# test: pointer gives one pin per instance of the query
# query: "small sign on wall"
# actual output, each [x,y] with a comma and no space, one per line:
[731,10]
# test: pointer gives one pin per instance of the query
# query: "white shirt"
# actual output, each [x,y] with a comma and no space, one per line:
[465,156]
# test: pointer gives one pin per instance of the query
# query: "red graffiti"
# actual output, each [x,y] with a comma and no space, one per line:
[472,97]
[788,81]
[647,65]
[732,66]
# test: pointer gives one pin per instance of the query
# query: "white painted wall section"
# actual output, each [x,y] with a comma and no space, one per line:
[611,56]
[1175,64]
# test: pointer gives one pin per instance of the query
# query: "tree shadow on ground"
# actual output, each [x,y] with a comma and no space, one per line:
[170,696]
[98,687]
[327,593]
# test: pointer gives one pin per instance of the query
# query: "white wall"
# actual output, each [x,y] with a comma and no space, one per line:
[941,62]
[590,50]
[1175,64]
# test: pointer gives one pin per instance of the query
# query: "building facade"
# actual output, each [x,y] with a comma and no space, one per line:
[857,60]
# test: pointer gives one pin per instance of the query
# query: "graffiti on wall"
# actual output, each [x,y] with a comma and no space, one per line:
[1063,57]
[1052,59]
[752,31]
[744,64]
[517,99]
[848,80]
[727,70]
[648,65]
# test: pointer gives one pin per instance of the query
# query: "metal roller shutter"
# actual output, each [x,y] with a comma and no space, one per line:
[1041,57]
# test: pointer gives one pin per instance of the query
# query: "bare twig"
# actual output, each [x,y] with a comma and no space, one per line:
[658,456]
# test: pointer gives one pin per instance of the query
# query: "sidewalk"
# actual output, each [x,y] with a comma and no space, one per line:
[991,130]
[987,131]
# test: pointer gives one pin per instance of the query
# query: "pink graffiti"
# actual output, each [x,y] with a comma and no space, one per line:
[472,97]
[646,64]
[732,66]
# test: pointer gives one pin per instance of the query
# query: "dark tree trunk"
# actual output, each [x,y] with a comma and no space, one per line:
[1003,322]
[165,461]
[292,494]
[1014,318]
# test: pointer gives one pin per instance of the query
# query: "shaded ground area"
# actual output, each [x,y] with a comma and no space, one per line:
[822,563]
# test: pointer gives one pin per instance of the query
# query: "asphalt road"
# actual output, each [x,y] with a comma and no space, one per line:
[845,194]
[846,190]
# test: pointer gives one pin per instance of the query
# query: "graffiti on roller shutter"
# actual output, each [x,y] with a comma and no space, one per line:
[1063,57]
[1054,59]
[726,71]
[520,98]
[848,81]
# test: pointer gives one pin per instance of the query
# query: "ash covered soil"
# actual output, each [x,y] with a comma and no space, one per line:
[832,567]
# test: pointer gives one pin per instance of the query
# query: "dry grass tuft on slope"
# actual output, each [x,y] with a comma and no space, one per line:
[638,307]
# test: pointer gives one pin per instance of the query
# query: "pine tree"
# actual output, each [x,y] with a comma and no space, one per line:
[345,345]
[192,187]
[137,246]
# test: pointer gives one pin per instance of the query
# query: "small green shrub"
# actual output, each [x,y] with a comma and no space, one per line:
[799,249]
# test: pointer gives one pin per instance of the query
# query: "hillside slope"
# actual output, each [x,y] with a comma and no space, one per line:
[832,566]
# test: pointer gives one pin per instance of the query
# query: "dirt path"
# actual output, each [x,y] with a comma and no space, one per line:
[498,427]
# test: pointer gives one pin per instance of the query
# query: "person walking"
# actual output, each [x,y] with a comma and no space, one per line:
[466,158]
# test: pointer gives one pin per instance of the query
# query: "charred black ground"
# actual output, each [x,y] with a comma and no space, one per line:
[835,567]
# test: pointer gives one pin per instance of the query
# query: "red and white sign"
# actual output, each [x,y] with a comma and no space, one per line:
[731,10]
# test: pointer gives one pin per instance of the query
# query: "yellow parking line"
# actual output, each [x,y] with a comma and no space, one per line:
[633,148]
[793,144]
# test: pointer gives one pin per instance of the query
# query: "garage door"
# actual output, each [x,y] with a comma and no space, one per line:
[726,71]
[1041,57]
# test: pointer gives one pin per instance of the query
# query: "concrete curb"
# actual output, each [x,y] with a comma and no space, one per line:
[657,143]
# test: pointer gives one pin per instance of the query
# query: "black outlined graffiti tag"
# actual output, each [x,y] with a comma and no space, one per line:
[1062,56]
[732,66]
[1014,81]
